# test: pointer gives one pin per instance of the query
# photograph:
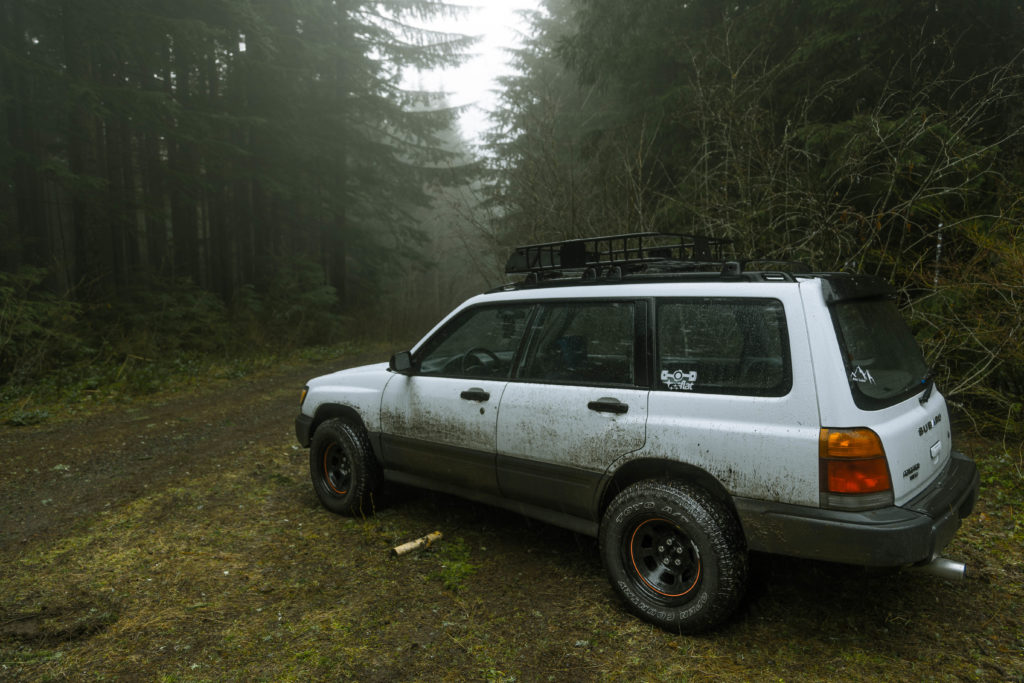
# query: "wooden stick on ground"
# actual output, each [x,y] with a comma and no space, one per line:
[418,544]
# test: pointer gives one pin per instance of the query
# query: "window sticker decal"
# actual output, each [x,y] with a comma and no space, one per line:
[677,380]
[861,376]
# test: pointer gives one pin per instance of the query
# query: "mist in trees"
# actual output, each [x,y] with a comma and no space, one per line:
[169,165]
[871,136]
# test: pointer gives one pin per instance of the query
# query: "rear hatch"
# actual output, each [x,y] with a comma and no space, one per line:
[888,376]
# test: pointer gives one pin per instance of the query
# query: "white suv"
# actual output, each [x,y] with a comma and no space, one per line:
[682,413]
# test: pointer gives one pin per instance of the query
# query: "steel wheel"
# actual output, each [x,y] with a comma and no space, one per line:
[666,563]
[337,469]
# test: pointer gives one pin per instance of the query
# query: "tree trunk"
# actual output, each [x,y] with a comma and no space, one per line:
[22,224]
[91,232]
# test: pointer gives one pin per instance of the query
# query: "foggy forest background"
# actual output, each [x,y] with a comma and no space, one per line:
[188,179]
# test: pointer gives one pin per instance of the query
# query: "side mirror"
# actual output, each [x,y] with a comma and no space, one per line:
[401,363]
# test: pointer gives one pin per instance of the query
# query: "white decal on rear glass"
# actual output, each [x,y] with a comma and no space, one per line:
[677,380]
[861,375]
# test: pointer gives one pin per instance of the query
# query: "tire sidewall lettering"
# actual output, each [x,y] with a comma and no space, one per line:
[633,508]
[682,614]
[694,607]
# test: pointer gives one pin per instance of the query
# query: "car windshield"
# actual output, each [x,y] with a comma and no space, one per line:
[883,361]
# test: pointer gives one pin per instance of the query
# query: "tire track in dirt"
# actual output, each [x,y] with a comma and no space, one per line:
[53,474]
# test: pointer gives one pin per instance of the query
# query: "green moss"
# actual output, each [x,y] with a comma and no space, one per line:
[455,565]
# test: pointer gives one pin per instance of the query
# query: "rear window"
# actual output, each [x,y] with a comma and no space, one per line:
[884,364]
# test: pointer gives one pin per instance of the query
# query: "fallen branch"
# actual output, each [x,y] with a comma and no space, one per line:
[418,544]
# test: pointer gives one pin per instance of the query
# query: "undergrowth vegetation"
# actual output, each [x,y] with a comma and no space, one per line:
[969,324]
[156,335]
[57,354]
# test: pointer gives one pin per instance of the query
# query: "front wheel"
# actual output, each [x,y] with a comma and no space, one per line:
[344,471]
[674,554]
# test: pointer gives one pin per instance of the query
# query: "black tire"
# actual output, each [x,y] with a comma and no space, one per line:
[675,555]
[344,471]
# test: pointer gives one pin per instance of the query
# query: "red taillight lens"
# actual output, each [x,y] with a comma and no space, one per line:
[852,461]
[863,476]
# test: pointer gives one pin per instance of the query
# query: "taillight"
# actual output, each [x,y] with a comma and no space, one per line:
[854,470]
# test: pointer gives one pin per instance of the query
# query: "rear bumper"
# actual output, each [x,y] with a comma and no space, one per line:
[889,537]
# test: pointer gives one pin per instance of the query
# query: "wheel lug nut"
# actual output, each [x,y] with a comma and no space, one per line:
[661,548]
[678,562]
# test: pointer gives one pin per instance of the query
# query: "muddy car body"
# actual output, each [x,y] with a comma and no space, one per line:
[684,416]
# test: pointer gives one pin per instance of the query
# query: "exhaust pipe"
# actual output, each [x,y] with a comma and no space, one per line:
[943,568]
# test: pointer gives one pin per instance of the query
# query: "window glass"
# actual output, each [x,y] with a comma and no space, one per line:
[723,346]
[480,342]
[583,343]
[883,361]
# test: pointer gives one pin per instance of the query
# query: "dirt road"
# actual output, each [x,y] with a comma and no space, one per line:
[55,473]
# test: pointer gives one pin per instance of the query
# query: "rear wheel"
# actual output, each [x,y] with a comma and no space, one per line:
[344,472]
[675,554]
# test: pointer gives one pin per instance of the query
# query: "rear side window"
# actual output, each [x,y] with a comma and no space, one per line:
[723,346]
[583,343]
[883,361]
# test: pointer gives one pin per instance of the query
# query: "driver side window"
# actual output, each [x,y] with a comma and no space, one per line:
[481,342]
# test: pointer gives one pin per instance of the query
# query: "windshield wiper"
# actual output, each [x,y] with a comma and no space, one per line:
[929,381]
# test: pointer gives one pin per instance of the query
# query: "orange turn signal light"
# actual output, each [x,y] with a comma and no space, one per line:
[852,461]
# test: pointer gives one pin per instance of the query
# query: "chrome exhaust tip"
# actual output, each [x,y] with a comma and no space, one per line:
[944,568]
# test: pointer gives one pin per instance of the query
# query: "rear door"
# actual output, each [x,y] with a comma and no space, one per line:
[577,404]
[729,396]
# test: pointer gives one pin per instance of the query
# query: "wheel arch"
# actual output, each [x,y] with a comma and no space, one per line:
[660,468]
[330,411]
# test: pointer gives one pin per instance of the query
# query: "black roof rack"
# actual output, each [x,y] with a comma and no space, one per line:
[629,252]
[639,255]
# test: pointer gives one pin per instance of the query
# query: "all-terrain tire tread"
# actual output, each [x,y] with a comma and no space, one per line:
[721,530]
[367,475]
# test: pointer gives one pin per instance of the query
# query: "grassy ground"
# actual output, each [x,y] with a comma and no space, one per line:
[180,540]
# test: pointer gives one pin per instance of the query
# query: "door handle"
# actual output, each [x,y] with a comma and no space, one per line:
[475,394]
[608,405]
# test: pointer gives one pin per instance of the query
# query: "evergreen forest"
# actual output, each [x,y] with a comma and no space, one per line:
[195,178]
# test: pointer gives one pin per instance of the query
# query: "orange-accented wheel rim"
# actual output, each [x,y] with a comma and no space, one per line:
[665,561]
[337,469]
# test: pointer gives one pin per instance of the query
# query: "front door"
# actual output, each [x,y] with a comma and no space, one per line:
[438,424]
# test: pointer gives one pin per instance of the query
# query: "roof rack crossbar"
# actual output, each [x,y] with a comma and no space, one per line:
[792,266]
